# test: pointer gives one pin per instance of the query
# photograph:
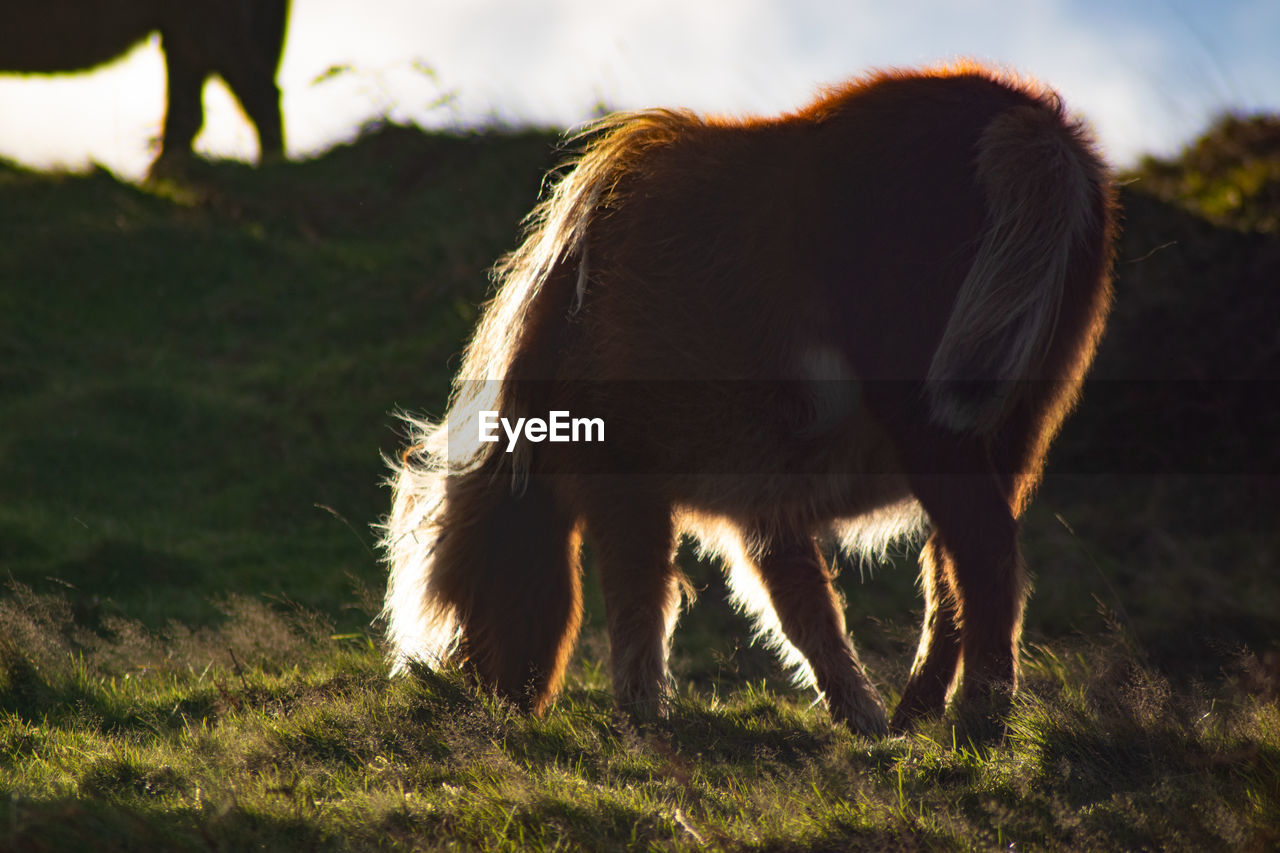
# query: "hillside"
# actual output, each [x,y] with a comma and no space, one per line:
[197,381]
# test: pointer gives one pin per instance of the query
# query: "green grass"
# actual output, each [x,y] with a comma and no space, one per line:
[268,731]
[196,388]
[197,382]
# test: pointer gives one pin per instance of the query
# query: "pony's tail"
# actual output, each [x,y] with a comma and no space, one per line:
[1044,190]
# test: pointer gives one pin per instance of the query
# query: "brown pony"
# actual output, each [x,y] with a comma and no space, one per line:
[864,317]
[239,40]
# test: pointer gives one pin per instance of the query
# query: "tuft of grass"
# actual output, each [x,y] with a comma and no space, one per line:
[1230,174]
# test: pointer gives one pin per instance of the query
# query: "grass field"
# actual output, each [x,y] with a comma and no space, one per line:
[197,382]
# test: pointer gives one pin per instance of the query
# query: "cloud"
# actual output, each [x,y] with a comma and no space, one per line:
[1148,73]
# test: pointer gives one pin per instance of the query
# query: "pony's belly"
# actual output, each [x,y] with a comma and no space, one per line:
[803,500]
[828,458]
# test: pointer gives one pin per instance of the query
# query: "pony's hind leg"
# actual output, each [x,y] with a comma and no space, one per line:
[633,541]
[975,527]
[938,655]
[811,616]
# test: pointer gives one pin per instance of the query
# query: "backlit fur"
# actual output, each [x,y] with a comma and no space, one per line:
[866,318]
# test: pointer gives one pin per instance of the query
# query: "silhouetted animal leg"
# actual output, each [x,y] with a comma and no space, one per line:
[938,655]
[510,567]
[975,526]
[633,541]
[184,113]
[254,85]
[812,618]
[251,71]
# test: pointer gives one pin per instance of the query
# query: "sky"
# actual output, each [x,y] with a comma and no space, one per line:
[1147,74]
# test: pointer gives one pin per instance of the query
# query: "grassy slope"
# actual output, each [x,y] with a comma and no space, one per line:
[185,379]
[194,389]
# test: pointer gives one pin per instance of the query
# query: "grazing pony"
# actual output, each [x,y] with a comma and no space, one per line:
[863,318]
[239,40]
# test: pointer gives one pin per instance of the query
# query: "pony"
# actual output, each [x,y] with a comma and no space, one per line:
[863,319]
[239,40]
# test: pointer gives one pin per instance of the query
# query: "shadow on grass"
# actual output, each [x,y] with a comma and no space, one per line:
[86,823]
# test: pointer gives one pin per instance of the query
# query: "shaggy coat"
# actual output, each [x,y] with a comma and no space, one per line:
[868,317]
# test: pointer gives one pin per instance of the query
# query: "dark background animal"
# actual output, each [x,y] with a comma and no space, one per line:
[871,312]
[241,41]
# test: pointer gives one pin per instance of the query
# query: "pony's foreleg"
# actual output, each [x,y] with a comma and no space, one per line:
[938,655]
[633,540]
[811,617]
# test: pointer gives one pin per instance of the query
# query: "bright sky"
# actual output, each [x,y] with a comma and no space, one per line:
[1149,74]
